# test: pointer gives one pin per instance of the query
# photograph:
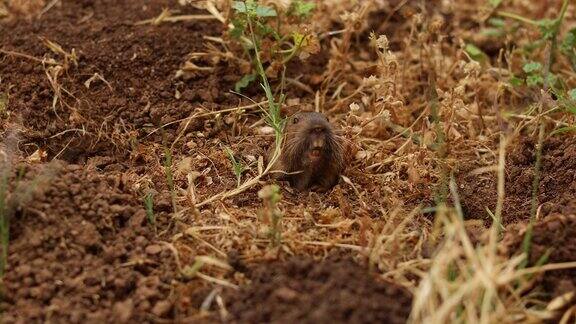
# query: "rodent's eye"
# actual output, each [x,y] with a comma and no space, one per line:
[295,120]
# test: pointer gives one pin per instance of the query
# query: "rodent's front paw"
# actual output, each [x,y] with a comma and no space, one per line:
[319,188]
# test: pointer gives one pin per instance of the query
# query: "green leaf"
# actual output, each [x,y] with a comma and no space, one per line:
[569,42]
[252,8]
[191,271]
[572,94]
[532,67]
[302,9]
[532,46]
[497,22]
[239,28]
[244,82]
[516,81]
[568,47]
[264,30]
[495,3]
[552,79]
[563,130]
[262,11]
[475,53]
[492,32]
[548,27]
[534,80]
[242,7]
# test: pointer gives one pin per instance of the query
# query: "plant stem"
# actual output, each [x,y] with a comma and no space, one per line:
[518,17]
[497,225]
[526,244]
[274,119]
[4,223]
[442,192]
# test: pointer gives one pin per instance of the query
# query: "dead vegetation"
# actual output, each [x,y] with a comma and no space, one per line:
[431,96]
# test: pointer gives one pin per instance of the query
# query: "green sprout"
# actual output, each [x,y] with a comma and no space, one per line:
[237,166]
[149,206]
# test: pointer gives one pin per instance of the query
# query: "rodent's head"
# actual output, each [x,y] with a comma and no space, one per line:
[309,138]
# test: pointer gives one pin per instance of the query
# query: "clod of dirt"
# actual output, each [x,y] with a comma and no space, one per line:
[302,290]
[81,253]
[557,182]
[556,235]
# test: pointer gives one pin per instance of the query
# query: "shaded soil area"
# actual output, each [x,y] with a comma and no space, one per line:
[83,253]
[557,191]
[554,238]
[302,290]
[556,235]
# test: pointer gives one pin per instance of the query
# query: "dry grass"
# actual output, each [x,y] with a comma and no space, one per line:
[379,94]
[418,107]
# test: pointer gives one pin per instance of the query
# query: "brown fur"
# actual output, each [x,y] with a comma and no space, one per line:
[312,154]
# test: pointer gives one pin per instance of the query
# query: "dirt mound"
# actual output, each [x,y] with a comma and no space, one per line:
[557,184]
[82,252]
[556,235]
[124,80]
[302,290]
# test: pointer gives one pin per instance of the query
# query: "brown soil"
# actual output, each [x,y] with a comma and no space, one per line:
[554,230]
[138,62]
[302,290]
[557,192]
[82,250]
[556,236]
[83,253]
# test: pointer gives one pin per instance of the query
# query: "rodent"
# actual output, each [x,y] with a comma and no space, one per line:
[311,155]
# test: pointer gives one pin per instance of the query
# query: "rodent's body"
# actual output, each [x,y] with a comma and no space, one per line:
[312,154]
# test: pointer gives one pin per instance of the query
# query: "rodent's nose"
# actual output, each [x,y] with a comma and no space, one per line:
[318,143]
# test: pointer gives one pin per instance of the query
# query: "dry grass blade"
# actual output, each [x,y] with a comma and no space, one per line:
[146,125]
[475,286]
[244,186]
[167,16]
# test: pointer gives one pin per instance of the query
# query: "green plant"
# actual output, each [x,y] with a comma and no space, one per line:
[277,33]
[440,145]
[168,168]
[499,28]
[567,102]
[149,205]
[475,53]
[271,215]
[536,73]
[469,282]
[237,166]
[568,47]
[541,75]
[272,115]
